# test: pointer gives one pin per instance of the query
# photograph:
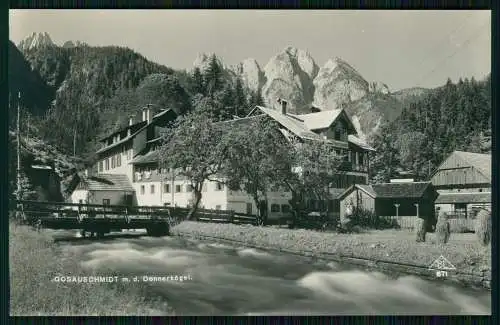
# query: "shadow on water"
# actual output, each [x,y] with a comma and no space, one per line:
[237,280]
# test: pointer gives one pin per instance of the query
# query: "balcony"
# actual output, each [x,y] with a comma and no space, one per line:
[348,166]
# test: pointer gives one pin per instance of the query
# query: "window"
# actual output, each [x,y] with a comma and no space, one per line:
[129,154]
[152,189]
[217,207]
[143,189]
[100,166]
[361,156]
[285,208]
[177,188]
[249,208]
[337,135]
[480,190]
[107,163]
[219,187]
[105,202]
[275,208]
[80,201]
[189,188]
[118,160]
[166,188]
[113,162]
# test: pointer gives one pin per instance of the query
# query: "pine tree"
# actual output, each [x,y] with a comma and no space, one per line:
[240,101]
[198,86]
[213,76]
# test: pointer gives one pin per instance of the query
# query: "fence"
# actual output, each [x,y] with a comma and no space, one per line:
[404,222]
[457,225]
[225,216]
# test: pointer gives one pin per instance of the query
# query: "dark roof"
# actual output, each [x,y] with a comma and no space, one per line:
[149,157]
[122,141]
[365,188]
[449,198]
[368,189]
[139,127]
[123,129]
[107,182]
[400,190]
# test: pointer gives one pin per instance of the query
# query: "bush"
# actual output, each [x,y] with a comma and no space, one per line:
[483,227]
[421,228]
[442,229]
[365,219]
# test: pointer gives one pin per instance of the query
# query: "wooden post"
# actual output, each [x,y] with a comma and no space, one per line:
[18,172]
[74,142]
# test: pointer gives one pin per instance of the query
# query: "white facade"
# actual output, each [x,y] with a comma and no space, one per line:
[98,197]
[117,162]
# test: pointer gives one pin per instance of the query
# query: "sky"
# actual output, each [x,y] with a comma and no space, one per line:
[399,48]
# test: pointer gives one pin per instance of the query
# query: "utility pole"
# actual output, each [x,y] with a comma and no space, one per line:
[74,143]
[18,192]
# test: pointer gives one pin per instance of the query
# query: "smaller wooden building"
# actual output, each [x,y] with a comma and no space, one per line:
[463,181]
[106,189]
[390,199]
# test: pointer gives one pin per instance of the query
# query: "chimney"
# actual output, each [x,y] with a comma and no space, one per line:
[283,105]
[131,120]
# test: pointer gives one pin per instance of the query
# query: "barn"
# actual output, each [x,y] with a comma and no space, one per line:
[463,181]
[390,199]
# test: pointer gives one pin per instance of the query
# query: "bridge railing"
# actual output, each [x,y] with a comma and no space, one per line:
[40,209]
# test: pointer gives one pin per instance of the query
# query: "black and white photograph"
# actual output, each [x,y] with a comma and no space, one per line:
[249,162]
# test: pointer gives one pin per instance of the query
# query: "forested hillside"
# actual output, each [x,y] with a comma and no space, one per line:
[80,93]
[452,117]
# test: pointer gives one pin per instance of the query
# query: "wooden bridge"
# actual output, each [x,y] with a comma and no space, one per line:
[98,219]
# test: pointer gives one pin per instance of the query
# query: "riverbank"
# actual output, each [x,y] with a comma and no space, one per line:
[35,262]
[388,250]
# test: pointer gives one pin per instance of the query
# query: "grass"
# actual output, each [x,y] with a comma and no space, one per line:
[35,260]
[462,250]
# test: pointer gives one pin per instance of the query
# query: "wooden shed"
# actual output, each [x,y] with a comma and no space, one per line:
[391,199]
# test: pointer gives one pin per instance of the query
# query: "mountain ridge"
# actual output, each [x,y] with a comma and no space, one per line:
[291,74]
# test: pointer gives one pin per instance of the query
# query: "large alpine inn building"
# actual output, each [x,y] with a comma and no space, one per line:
[128,163]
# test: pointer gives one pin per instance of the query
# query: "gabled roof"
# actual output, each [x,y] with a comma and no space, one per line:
[292,123]
[482,162]
[149,157]
[410,190]
[303,125]
[451,198]
[319,120]
[107,182]
[365,188]
[123,129]
[400,190]
[136,132]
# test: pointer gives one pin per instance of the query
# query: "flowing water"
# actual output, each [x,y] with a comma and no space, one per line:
[226,280]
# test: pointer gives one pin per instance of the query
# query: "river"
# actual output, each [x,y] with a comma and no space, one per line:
[226,280]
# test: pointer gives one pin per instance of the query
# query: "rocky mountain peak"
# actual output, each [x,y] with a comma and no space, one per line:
[36,40]
[68,44]
[250,73]
[203,60]
[290,75]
